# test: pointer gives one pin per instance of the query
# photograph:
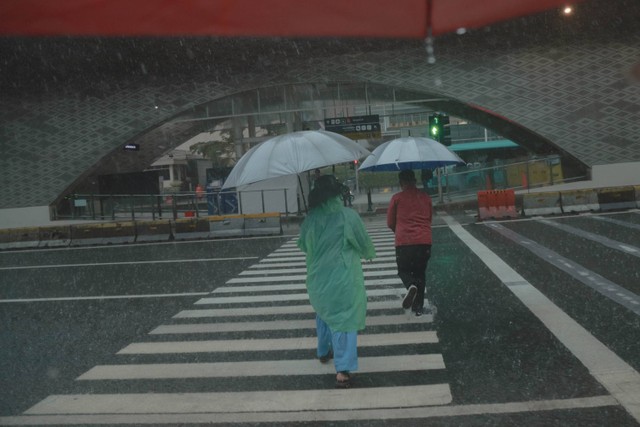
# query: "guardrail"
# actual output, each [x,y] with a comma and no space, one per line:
[210,227]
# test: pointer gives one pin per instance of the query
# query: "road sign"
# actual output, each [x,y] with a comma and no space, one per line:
[356,127]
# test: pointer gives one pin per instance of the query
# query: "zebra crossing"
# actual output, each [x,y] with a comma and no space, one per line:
[250,345]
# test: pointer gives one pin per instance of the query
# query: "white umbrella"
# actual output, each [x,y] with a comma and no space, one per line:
[410,153]
[291,154]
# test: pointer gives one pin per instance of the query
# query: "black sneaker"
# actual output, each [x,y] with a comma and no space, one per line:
[407,302]
[418,312]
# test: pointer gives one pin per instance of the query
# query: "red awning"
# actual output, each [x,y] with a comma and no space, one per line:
[259,18]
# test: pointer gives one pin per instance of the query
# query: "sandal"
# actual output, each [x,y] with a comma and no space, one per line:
[326,357]
[345,382]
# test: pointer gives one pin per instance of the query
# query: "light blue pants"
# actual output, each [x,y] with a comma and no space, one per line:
[343,344]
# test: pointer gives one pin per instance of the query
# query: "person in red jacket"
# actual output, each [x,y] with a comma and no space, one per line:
[409,216]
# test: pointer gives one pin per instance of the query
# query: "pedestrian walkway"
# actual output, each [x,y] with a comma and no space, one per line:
[253,344]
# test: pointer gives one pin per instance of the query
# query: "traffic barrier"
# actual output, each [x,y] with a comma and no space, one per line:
[579,201]
[119,232]
[153,231]
[497,204]
[55,237]
[617,198]
[226,225]
[262,224]
[191,229]
[87,234]
[19,238]
[542,203]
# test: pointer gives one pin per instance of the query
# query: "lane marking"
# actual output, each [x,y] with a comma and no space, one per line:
[101,264]
[258,368]
[613,244]
[299,343]
[269,263]
[322,416]
[278,325]
[104,297]
[616,221]
[590,278]
[140,245]
[620,379]
[276,257]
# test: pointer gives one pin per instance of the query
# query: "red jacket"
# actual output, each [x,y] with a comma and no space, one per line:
[409,216]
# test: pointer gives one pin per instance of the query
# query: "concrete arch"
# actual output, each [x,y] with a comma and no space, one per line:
[64,107]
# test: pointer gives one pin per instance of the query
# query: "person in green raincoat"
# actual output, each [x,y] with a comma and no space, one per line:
[335,240]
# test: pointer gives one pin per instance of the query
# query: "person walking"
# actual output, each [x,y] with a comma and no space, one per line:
[409,217]
[335,240]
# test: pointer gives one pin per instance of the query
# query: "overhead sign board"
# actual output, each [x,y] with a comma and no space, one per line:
[356,127]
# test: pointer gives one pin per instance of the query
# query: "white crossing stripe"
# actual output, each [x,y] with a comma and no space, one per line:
[302,277]
[269,263]
[300,343]
[238,402]
[269,311]
[366,266]
[276,325]
[295,286]
[284,297]
[414,362]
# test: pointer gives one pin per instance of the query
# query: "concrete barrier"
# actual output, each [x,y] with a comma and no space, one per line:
[191,229]
[119,232]
[87,234]
[262,224]
[226,225]
[545,203]
[19,238]
[153,231]
[579,201]
[617,198]
[55,237]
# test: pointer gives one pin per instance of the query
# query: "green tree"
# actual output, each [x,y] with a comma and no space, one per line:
[221,153]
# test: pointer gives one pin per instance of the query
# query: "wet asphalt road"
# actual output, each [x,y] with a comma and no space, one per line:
[495,351]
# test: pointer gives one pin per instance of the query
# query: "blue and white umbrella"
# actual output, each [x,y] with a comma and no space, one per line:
[410,153]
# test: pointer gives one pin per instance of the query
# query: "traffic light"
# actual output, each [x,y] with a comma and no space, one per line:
[439,128]
[435,127]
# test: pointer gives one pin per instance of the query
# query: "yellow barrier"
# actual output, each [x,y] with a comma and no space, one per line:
[262,224]
[56,236]
[191,229]
[119,232]
[544,203]
[86,234]
[226,225]
[579,201]
[617,198]
[153,231]
[19,238]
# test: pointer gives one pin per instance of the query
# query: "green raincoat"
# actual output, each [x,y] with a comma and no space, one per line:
[335,239]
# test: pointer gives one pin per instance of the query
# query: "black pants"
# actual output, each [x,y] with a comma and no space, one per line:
[412,268]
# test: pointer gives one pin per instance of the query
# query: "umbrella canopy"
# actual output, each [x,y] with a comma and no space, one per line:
[267,18]
[410,153]
[291,154]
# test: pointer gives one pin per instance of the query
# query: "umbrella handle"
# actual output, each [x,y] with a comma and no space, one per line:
[304,201]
